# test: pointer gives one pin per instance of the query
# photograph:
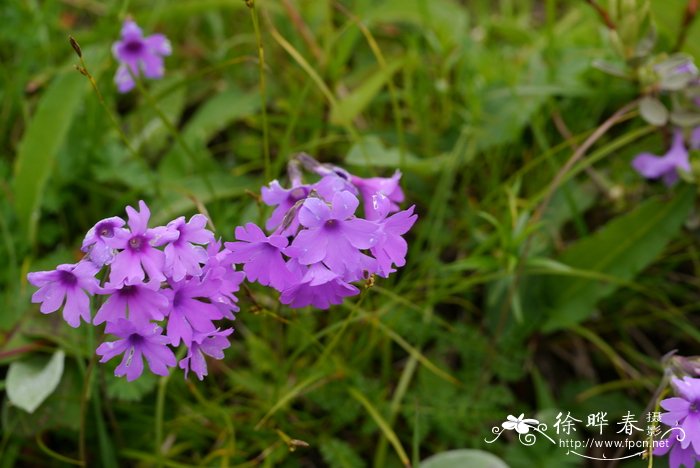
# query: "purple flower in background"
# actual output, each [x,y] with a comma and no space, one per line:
[391,247]
[139,253]
[334,236]
[388,186]
[72,283]
[139,302]
[182,256]
[136,343]
[665,167]
[212,344]
[138,54]
[283,200]
[94,243]
[678,456]
[319,287]
[261,256]
[683,410]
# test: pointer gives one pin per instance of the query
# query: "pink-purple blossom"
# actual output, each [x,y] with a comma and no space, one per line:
[69,286]
[139,255]
[320,244]
[210,344]
[137,342]
[683,417]
[164,287]
[95,242]
[138,55]
[664,167]
[175,277]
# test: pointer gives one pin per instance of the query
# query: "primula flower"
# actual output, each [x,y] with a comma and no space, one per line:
[665,167]
[182,256]
[678,456]
[319,287]
[211,344]
[72,283]
[186,285]
[220,272]
[261,256]
[138,248]
[139,302]
[387,186]
[391,247]
[283,200]
[137,342]
[683,410]
[95,244]
[138,54]
[187,313]
[333,235]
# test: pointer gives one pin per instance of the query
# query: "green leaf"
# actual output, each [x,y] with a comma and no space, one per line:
[462,458]
[42,140]
[31,381]
[153,131]
[353,104]
[120,389]
[211,117]
[621,249]
[182,195]
[371,152]
[60,410]
[341,454]
[653,111]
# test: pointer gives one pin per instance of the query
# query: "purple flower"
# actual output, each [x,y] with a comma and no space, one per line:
[211,344]
[261,256]
[678,456]
[334,236]
[94,243]
[220,272]
[665,167]
[684,411]
[182,256]
[139,302]
[319,287]
[72,283]
[138,54]
[138,341]
[188,314]
[391,247]
[283,200]
[388,186]
[139,254]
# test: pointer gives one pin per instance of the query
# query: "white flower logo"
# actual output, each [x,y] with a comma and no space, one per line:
[522,426]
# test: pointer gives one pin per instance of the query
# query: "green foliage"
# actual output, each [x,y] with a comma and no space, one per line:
[619,250]
[31,381]
[463,457]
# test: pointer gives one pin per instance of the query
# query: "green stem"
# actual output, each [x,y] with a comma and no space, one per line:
[160,409]
[263,90]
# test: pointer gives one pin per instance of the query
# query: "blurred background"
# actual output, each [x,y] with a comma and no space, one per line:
[527,289]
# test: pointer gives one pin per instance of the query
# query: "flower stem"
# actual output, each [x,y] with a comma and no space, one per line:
[160,407]
[263,90]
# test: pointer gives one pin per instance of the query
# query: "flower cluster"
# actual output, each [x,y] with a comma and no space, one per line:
[317,244]
[683,418]
[137,54]
[174,277]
